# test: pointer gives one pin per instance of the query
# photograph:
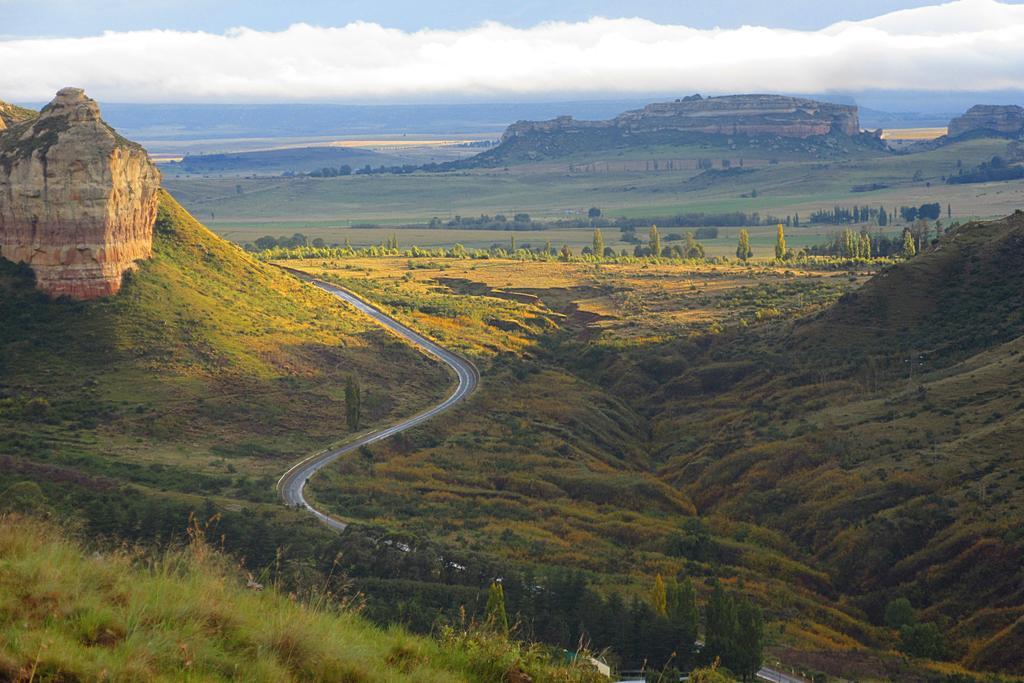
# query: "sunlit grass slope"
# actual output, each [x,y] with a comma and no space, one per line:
[208,362]
[69,615]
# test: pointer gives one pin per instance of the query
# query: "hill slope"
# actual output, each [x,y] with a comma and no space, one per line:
[882,437]
[66,615]
[196,386]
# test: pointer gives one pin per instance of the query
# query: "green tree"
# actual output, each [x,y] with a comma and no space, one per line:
[495,617]
[780,243]
[353,403]
[720,634]
[743,250]
[749,641]
[681,599]
[659,596]
[899,612]
[883,217]
[654,241]
[692,248]
[909,248]
[594,213]
[598,242]
[512,244]
[922,640]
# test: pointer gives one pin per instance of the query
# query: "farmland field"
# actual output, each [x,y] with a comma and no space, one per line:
[243,209]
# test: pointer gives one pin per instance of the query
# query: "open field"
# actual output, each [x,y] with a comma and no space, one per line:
[913,133]
[244,208]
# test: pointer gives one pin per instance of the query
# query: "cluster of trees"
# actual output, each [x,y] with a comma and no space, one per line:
[689,248]
[659,634]
[929,212]
[327,172]
[864,245]
[346,170]
[284,242]
[518,221]
[987,171]
[917,639]
[841,215]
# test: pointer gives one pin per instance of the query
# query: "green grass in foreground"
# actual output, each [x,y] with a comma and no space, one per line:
[186,615]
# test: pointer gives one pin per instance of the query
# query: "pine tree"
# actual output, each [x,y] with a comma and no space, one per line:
[353,401]
[659,596]
[796,220]
[883,217]
[495,617]
[598,243]
[512,244]
[780,243]
[743,250]
[654,241]
[909,248]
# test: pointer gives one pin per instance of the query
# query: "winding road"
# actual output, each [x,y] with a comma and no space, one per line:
[292,483]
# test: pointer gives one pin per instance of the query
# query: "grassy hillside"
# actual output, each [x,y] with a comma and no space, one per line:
[829,476]
[882,438]
[67,614]
[206,365]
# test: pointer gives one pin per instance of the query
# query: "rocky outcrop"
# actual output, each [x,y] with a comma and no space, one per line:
[729,115]
[993,118]
[77,201]
[11,114]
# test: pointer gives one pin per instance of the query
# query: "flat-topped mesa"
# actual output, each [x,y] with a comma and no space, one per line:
[77,201]
[728,115]
[994,118]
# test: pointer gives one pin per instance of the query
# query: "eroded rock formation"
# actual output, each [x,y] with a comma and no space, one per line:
[77,201]
[729,115]
[996,118]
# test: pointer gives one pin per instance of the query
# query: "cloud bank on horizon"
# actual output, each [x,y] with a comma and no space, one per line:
[964,45]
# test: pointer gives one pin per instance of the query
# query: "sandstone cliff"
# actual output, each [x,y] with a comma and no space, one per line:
[77,201]
[1002,119]
[729,115]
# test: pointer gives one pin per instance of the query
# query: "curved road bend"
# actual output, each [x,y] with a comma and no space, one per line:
[294,480]
[292,483]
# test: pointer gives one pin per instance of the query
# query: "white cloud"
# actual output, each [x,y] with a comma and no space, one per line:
[965,45]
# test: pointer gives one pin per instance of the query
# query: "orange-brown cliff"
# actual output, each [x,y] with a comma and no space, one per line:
[77,201]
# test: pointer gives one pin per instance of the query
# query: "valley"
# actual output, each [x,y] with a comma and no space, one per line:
[539,434]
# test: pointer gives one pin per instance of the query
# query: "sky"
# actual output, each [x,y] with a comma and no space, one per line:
[410,51]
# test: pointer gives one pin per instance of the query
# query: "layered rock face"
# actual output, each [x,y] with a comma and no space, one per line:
[1004,119]
[77,201]
[729,115]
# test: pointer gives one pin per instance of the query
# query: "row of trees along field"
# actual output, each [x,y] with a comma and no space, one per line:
[842,215]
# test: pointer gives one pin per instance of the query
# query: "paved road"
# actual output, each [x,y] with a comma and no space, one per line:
[292,483]
[294,480]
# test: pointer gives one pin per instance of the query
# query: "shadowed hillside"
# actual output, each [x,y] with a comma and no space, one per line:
[883,437]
